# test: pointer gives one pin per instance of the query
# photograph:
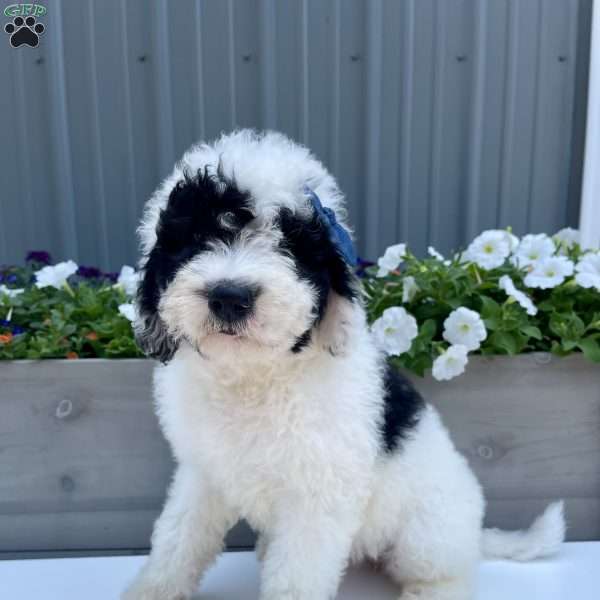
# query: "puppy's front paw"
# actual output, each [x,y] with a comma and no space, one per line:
[143,590]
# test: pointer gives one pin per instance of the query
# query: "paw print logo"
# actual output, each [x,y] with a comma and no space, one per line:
[24,31]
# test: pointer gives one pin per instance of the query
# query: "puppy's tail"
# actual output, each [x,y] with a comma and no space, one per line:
[543,538]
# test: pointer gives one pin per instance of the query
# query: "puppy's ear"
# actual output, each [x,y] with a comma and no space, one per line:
[151,332]
[152,336]
[340,259]
[333,332]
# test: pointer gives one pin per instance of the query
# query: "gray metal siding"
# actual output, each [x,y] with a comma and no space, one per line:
[439,117]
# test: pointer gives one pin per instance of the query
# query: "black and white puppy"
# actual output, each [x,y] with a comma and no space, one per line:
[277,404]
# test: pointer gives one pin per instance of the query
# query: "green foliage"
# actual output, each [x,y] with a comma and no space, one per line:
[567,321]
[79,320]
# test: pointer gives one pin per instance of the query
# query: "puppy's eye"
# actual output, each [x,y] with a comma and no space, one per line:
[228,220]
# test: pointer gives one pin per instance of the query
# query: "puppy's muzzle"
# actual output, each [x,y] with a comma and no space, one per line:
[231,302]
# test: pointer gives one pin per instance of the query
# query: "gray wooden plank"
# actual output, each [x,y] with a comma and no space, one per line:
[530,430]
[83,465]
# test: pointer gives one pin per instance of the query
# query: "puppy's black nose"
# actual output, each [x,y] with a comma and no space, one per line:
[230,301]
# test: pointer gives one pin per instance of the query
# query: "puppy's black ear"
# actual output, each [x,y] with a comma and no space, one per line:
[153,338]
[324,260]
[151,332]
[336,322]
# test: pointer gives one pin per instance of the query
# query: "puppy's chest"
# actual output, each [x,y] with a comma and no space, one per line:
[253,437]
[264,445]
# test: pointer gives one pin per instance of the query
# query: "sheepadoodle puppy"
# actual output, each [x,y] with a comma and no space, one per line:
[277,404]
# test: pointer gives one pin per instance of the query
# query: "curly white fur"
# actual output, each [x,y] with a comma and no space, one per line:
[292,442]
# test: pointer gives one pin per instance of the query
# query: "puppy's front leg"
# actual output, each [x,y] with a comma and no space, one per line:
[187,537]
[307,553]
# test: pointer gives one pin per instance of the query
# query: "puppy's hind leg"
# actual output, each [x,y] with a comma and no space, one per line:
[421,578]
[434,507]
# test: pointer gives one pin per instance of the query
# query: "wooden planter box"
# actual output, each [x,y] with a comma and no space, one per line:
[83,465]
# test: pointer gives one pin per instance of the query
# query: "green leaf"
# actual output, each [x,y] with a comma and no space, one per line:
[569,345]
[505,341]
[533,332]
[567,326]
[428,329]
[590,348]
[490,309]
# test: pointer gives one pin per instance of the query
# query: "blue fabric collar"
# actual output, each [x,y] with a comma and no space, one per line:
[338,234]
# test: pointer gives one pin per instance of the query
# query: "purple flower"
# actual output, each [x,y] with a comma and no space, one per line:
[18,330]
[11,278]
[39,256]
[89,272]
[362,265]
[112,277]
[4,323]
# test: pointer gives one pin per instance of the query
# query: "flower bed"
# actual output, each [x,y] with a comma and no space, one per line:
[502,296]
[66,311]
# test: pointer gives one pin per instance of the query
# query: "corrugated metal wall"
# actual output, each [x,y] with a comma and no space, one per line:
[439,117]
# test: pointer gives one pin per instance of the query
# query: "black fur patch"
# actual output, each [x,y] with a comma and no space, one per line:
[306,240]
[200,208]
[402,408]
[302,342]
[188,222]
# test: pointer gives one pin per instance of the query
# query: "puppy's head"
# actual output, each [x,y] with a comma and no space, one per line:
[227,275]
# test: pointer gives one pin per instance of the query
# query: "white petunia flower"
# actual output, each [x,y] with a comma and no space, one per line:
[409,288]
[55,275]
[588,271]
[489,249]
[532,249]
[395,330]
[513,240]
[390,260]
[566,238]
[434,253]
[128,310]
[451,363]
[464,327]
[10,292]
[508,285]
[549,272]
[129,278]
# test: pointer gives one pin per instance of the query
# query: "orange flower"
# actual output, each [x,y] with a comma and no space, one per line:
[72,355]
[92,336]
[6,338]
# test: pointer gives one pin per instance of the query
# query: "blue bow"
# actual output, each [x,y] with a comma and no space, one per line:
[338,234]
